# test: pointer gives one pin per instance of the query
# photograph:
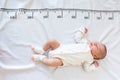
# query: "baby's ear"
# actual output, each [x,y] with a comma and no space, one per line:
[94,56]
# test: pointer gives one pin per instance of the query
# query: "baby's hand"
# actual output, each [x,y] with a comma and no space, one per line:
[86,30]
[96,64]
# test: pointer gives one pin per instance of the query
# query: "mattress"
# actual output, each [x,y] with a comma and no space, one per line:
[17,36]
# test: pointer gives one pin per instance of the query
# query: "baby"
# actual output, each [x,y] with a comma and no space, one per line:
[76,54]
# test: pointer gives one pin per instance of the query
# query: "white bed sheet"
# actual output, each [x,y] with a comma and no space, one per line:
[17,36]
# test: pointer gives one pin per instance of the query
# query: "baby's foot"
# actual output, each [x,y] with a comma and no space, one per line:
[38,50]
[37,58]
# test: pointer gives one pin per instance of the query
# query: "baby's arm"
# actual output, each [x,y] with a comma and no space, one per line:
[90,67]
[54,62]
[80,34]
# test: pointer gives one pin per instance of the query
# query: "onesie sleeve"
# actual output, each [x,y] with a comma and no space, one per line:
[89,67]
[79,35]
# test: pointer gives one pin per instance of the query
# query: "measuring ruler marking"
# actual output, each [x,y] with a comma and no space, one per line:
[100,16]
[61,10]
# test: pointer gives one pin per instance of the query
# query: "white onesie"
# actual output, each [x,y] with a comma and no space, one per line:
[73,54]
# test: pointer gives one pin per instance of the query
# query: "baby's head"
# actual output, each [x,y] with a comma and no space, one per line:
[98,50]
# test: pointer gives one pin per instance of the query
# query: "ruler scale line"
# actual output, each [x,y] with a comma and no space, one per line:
[61,10]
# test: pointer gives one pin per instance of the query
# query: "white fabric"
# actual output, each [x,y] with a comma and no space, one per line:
[38,58]
[38,50]
[16,37]
[80,35]
[89,67]
[73,54]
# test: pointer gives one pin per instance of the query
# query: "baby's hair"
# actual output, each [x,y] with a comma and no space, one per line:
[103,54]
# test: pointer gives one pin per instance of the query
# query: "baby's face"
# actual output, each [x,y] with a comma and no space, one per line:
[96,48]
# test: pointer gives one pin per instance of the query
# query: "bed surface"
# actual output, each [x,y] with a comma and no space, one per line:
[17,36]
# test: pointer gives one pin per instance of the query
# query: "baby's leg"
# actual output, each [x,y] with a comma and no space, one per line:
[52,61]
[47,61]
[53,44]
